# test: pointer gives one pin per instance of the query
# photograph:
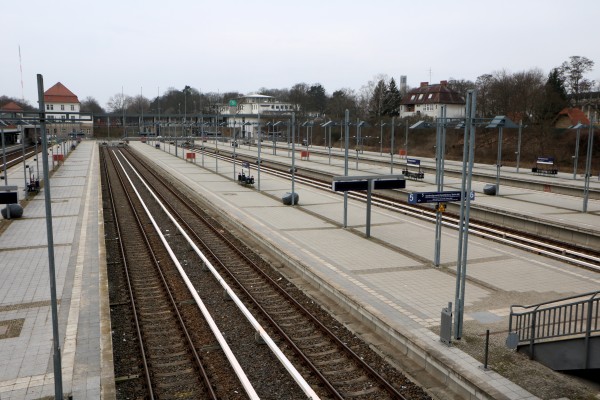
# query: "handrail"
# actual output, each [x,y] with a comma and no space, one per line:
[574,317]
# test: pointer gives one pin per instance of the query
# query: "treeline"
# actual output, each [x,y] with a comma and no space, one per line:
[527,96]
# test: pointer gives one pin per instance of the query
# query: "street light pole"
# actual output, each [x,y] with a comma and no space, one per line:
[588,166]
[465,208]
[259,140]
[519,144]
[576,156]
[58,384]
[392,146]
[346,144]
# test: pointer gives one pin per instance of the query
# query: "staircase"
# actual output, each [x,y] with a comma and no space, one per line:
[563,334]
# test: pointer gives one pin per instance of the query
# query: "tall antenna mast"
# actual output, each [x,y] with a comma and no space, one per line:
[21,68]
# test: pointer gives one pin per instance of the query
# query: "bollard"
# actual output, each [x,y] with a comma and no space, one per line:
[487,345]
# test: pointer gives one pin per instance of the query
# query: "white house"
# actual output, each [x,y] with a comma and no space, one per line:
[426,99]
[246,110]
[62,111]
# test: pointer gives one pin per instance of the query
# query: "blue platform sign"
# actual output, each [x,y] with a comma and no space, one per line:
[436,197]
[413,161]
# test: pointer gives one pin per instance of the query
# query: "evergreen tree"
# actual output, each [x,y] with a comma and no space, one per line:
[555,95]
[392,99]
[376,102]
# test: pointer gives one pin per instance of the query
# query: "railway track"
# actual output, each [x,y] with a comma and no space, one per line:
[169,365]
[332,366]
[15,157]
[396,201]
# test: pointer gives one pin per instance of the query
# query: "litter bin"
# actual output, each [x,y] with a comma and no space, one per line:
[490,189]
[287,198]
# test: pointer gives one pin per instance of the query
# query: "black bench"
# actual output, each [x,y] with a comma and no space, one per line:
[412,170]
[33,186]
[545,166]
[244,179]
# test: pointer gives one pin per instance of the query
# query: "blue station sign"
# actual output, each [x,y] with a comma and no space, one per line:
[436,197]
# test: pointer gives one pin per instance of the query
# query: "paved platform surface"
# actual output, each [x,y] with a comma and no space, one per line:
[391,274]
[26,350]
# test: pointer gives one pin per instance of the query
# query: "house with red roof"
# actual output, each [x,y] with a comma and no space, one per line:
[62,112]
[570,116]
[427,99]
[10,121]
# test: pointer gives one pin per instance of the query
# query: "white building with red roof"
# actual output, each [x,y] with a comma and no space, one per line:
[62,111]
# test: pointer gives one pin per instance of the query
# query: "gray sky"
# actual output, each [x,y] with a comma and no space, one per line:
[100,48]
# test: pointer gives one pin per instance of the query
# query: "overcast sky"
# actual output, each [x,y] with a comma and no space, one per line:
[100,48]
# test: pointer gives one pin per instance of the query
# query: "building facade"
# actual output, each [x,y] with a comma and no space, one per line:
[245,112]
[425,101]
[63,112]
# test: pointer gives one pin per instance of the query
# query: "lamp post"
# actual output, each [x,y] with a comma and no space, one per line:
[276,124]
[346,145]
[258,146]
[328,125]
[359,141]
[293,123]
[500,122]
[577,127]
[588,166]
[381,124]
[519,144]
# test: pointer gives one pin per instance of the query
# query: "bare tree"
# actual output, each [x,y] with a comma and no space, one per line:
[118,102]
[573,71]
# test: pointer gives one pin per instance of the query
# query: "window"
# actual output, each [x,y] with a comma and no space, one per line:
[421,96]
[49,106]
[430,95]
[72,107]
[413,96]
[62,107]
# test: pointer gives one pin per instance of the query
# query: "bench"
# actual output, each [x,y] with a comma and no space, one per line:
[245,180]
[412,170]
[33,186]
[545,166]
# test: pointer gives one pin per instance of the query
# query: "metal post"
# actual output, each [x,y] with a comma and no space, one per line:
[486,351]
[234,143]
[439,180]
[293,157]
[329,144]
[346,144]
[588,166]
[23,148]
[258,168]
[392,147]
[58,388]
[465,204]
[576,156]
[371,184]
[499,160]
[406,139]
[381,138]
[5,170]
[519,144]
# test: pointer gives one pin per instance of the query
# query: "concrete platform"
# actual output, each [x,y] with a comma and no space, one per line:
[26,351]
[389,279]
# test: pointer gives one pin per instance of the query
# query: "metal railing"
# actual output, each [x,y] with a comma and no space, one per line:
[572,317]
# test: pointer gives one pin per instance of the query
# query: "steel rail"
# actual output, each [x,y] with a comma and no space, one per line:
[196,357]
[387,386]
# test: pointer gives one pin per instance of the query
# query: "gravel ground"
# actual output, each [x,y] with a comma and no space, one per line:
[518,368]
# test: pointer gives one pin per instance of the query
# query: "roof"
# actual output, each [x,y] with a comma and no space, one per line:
[59,94]
[11,107]
[432,94]
[575,115]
